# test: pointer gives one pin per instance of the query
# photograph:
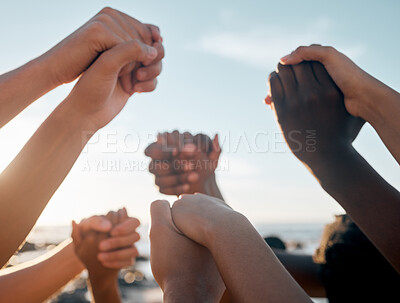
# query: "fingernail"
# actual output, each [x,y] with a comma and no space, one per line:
[268,100]
[285,58]
[152,52]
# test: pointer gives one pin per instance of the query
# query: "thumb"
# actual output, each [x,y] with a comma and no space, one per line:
[114,59]
[216,149]
[76,235]
[158,151]
[310,53]
[160,212]
[97,223]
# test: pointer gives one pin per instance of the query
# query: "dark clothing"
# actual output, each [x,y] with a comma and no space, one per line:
[352,269]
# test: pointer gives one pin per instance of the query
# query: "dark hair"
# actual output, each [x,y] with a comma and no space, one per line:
[352,269]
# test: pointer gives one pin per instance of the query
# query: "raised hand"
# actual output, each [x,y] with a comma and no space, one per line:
[118,250]
[198,215]
[237,249]
[99,94]
[104,244]
[364,96]
[110,27]
[185,270]
[311,112]
[183,163]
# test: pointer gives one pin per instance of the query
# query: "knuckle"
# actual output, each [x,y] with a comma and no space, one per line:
[300,49]
[135,45]
[311,98]
[329,51]
[158,181]
[153,84]
[332,93]
[104,18]
[97,28]
[106,10]
[146,34]
[272,76]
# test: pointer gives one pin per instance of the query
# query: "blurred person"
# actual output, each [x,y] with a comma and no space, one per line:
[114,56]
[109,240]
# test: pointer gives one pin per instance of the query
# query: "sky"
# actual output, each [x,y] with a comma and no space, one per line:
[214,80]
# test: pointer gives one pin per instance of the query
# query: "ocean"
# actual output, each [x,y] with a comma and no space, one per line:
[299,238]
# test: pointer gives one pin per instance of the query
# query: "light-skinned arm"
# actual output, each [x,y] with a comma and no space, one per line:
[28,183]
[237,249]
[72,56]
[57,267]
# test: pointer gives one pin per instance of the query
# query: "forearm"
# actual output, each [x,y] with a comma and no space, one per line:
[180,289]
[304,270]
[238,251]
[372,203]
[37,280]
[28,183]
[104,291]
[382,110]
[22,86]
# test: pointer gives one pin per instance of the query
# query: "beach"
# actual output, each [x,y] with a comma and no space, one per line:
[136,283]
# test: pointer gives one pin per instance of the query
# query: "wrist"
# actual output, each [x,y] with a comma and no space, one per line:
[40,69]
[205,186]
[102,282]
[376,101]
[218,228]
[330,168]
[68,114]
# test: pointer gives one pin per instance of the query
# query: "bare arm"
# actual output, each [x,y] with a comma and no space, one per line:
[364,96]
[370,201]
[305,98]
[68,59]
[37,280]
[304,270]
[237,249]
[28,183]
[21,87]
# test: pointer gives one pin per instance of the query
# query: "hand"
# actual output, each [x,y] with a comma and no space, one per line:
[183,163]
[99,94]
[311,113]
[198,216]
[87,236]
[118,250]
[352,80]
[181,267]
[102,254]
[108,28]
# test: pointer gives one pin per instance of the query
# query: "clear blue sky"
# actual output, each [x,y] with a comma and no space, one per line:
[218,57]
